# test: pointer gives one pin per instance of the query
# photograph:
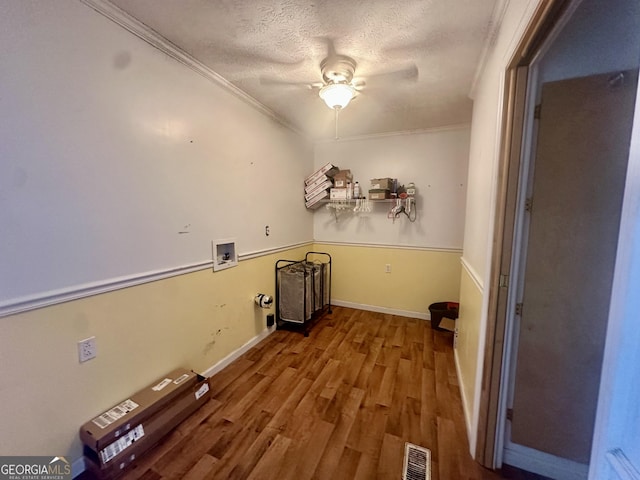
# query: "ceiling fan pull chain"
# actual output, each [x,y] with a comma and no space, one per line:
[337,110]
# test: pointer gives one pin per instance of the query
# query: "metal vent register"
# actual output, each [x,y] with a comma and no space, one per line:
[417,463]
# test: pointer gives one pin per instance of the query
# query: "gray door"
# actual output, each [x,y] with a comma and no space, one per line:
[578,182]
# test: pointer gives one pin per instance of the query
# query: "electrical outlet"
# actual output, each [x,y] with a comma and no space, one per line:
[87,349]
[387,268]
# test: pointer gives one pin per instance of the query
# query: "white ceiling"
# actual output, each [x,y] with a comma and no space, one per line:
[255,43]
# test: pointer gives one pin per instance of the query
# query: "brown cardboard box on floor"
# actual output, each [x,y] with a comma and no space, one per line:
[119,419]
[157,416]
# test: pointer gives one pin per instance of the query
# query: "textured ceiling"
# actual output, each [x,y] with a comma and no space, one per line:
[255,44]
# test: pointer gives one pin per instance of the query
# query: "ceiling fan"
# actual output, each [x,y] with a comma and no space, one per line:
[337,89]
[339,85]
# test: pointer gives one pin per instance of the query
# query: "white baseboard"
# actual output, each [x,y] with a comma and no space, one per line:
[218,366]
[447,323]
[375,308]
[78,467]
[543,463]
[468,420]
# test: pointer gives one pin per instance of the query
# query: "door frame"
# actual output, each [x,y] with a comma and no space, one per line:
[492,408]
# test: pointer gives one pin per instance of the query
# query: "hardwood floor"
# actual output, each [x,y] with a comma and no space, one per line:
[339,404]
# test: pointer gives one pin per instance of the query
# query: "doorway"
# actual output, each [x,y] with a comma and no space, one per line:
[570,230]
[596,43]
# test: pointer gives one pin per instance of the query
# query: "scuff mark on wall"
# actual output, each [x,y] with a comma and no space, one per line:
[212,343]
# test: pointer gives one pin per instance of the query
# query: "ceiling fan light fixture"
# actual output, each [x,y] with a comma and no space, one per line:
[337,95]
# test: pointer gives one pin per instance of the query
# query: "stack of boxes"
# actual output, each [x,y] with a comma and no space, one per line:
[335,184]
[317,185]
[341,185]
[381,188]
[116,438]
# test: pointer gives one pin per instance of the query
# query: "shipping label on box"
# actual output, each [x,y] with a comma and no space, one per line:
[338,194]
[115,413]
[117,447]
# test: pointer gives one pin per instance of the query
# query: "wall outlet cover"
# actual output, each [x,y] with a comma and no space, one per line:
[87,349]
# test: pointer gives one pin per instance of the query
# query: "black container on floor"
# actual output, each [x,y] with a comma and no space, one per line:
[440,310]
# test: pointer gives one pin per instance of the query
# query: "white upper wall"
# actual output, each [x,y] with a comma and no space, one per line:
[514,16]
[436,161]
[485,147]
[118,160]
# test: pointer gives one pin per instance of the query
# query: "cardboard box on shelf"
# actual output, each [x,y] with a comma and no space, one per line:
[341,178]
[379,194]
[319,188]
[108,454]
[315,202]
[338,194]
[381,183]
[328,170]
[314,186]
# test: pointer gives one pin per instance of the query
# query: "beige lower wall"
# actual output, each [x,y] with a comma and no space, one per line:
[418,277]
[467,344]
[192,320]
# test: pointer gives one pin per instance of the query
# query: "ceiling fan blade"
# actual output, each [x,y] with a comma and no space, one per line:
[359,84]
[270,81]
[410,73]
[235,56]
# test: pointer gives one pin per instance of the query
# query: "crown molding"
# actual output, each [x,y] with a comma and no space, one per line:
[153,38]
[495,22]
[442,128]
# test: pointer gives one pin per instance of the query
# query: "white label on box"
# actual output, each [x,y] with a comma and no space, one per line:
[181,379]
[125,428]
[161,385]
[202,390]
[119,411]
[118,446]
[338,194]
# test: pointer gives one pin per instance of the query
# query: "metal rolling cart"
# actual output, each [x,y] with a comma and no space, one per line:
[303,291]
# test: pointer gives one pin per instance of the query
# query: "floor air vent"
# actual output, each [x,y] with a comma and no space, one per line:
[417,463]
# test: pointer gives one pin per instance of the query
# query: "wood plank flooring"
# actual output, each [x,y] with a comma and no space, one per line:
[339,404]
